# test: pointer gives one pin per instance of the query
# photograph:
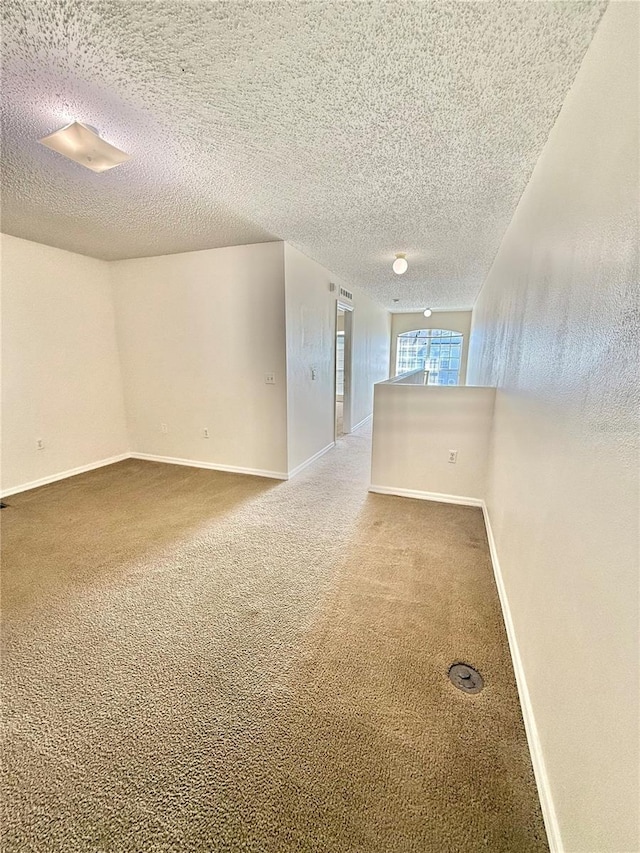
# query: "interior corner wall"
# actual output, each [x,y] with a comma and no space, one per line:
[61,381]
[556,329]
[105,358]
[311,328]
[198,333]
[458,321]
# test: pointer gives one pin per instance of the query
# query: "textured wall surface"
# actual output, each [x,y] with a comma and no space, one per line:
[311,324]
[556,329]
[371,333]
[197,332]
[351,130]
[415,427]
[61,379]
[310,311]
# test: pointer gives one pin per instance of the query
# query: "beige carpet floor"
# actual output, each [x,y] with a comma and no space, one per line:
[201,661]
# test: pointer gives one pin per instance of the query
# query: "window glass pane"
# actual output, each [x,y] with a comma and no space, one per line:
[340,363]
[436,350]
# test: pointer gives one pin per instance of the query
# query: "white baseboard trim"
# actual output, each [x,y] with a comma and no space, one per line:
[362,422]
[426,496]
[212,466]
[53,478]
[256,472]
[311,459]
[535,748]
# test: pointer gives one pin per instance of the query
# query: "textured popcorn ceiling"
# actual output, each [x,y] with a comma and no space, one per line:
[352,130]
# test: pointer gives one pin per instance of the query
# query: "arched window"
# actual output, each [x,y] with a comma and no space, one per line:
[437,350]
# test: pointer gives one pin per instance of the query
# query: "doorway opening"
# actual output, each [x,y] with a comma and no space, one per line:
[342,395]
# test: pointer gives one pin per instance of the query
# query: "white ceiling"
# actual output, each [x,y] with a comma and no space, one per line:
[353,130]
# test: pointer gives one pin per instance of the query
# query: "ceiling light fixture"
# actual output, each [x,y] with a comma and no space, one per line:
[83,145]
[400,264]
[428,312]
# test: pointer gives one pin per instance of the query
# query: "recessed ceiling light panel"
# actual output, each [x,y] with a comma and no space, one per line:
[427,312]
[83,145]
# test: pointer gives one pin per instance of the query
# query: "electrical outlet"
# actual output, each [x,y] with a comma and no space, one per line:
[453,456]
[205,433]
[39,444]
[270,378]
[314,373]
[164,429]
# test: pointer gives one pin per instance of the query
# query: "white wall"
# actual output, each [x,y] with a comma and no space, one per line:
[60,369]
[198,332]
[556,329]
[311,327]
[415,427]
[195,333]
[311,323]
[458,321]
[371,336]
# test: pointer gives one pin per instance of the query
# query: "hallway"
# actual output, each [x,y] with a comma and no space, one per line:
[197,661]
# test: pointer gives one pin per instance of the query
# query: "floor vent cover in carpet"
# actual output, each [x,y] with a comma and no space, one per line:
[466,678]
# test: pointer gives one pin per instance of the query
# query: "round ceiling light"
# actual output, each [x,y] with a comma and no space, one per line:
[427,312]
[400,264]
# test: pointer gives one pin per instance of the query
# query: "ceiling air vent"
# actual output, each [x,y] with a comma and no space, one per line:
[346,293]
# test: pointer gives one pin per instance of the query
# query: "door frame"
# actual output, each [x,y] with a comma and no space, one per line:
[347,397]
